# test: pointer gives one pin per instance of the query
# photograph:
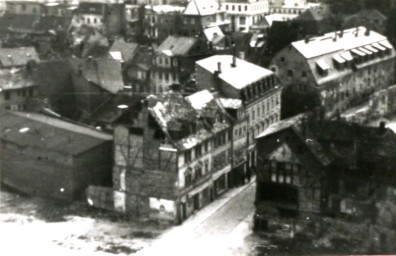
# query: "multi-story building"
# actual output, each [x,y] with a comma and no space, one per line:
[202,14]
[108,17]
[162,21]
[342,67]
[245,13]
[175,157]
[16,90]
[308,165]
[174,61]
[290,6]
[259,91]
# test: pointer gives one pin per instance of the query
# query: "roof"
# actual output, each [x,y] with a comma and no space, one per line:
[40,131]
[123,51]
[105,73]
[91,8]
[165,8]
[234,76]
[14,57]
[173,112]
[279,17]
[176,45]
[212,32]
[281,125]
[316,14]
[201,7]
[231,103]
[14,79]
[325,44]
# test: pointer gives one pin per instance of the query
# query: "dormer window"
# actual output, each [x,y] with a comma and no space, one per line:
[339,62]
[322,68]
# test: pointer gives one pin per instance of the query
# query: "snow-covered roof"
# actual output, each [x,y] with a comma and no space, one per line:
[243,74]
[200,99]
[326,44]
[212,32]
[165,8]
[202,7]
[231,103]
[279,17]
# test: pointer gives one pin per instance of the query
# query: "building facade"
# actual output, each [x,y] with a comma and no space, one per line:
[67,158]
[259,92]
[244,13]
[342,67]
[174,159]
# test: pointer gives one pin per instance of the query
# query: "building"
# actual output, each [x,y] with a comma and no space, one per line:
[372,19]
[48,157]
[17,90]
[244,13]
[95,81]
[308,165]
[17,57]
[290,6]
[174,61]
[259,91]
[173,159]
[162,21]
[383,102]
[123,51]
[343,68]
[202,14]
[108,17]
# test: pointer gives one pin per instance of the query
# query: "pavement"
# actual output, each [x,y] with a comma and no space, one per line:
[217,229]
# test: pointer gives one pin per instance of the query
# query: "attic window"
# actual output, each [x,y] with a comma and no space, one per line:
[322,67]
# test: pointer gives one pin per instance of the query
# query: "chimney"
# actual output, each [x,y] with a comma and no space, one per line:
[233,55]
[341,33]
[335,37]
[241,55]
[382,128]
[219,67]
[367,33]
[357,32]
[306,40]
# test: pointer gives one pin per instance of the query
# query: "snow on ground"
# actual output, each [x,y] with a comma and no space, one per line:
[32,226]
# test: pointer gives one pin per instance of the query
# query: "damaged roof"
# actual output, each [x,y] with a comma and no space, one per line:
[40,131]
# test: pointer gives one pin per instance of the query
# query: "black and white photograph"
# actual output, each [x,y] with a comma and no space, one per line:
[197,127]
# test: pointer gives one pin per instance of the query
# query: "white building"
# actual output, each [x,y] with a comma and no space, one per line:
[244,13]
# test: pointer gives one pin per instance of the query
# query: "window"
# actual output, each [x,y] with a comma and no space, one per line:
[88,20]
[227,7]
[187,156]
[246,7]
[239,8]
[233,7]
[242,20]
[290,73]
[188,177]
[7,95]
[304,73]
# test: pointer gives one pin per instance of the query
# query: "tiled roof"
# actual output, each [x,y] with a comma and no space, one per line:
[36,130]
[202,7]
[14,57]
[235,76]
[176,45]
[123,51]
[105,73]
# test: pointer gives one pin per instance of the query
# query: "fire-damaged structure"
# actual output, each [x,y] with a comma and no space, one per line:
[308,165]
[176,155]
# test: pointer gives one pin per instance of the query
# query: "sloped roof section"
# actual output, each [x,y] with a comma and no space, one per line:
[126,51]
[176,45]
[201,7]
[15,57]
[36,130]
[105,73]
[235,76]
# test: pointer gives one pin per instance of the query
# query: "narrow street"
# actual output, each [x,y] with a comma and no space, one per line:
[218,229]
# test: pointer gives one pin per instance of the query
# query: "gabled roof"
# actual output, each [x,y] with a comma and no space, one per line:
[235,76]
[105,73]
[212,33]
[176,45]
[15,57]
[201,7]
[40,131]
[123,51]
